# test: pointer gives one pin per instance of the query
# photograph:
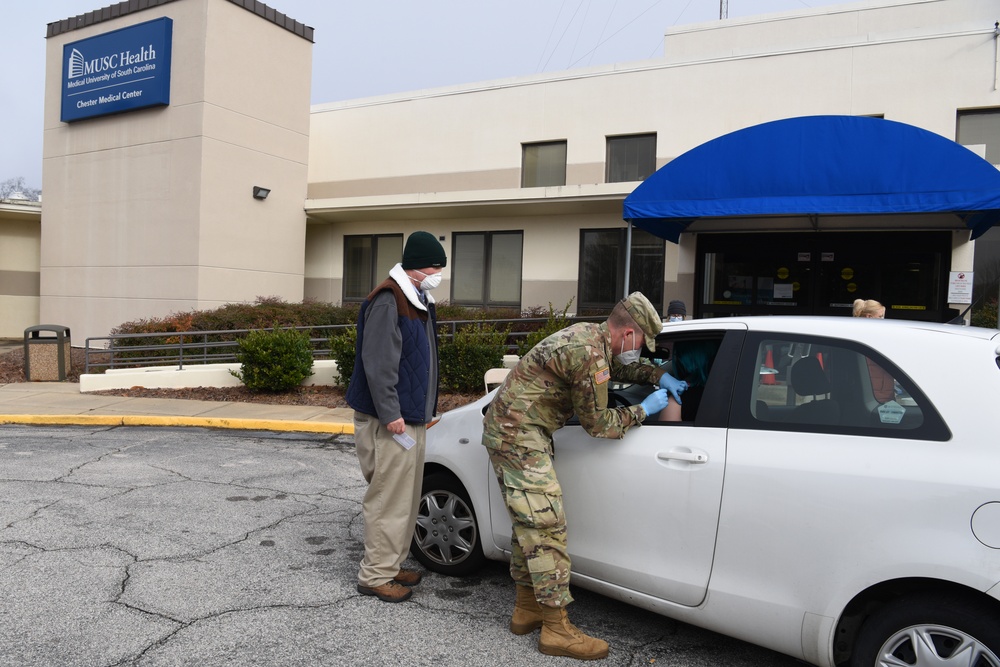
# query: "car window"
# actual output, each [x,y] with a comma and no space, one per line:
[828,385]
[690,358]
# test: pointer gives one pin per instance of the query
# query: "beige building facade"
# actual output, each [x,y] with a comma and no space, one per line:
[455,160]
[150,212]
[20,247]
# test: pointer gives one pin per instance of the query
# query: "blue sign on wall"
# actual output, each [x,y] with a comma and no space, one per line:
[122,70]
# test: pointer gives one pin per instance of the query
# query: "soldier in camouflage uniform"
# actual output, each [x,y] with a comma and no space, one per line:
[567,373]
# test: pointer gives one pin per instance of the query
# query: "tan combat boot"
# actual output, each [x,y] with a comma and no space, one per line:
[560,637]
[527,612]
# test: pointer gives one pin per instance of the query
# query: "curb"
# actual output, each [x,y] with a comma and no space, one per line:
[206,422]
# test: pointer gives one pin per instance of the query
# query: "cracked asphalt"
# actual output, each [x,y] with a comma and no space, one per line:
[153,546]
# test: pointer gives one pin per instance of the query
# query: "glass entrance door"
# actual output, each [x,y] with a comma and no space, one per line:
[822,274]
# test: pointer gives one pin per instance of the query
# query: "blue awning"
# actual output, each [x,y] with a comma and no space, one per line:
[818,166]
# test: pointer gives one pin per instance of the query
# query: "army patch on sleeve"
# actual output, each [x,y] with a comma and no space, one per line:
[602,376]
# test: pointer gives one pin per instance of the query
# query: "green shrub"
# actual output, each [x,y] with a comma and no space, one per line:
[273,361]
[474,349]
[556,322]
[343,345]
[985,315]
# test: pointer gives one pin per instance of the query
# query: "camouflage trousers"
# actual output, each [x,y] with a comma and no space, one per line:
[530,490]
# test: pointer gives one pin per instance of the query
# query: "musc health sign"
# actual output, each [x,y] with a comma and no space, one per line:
[122,70]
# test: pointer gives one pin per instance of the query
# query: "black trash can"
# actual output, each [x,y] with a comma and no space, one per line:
[46,357]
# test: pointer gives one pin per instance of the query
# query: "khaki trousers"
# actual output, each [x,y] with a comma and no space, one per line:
[395,478]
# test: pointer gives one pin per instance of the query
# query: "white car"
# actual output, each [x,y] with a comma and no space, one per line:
[834,493]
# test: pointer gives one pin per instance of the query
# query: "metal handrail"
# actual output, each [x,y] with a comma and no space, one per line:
[198,347]
[185,347]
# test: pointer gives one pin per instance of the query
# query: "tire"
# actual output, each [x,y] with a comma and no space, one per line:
[926,631]
[446,538]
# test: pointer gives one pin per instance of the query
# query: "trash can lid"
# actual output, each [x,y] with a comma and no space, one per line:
[47,327]
[56,328]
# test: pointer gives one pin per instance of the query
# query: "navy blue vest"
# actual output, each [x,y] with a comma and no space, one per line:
[414,362]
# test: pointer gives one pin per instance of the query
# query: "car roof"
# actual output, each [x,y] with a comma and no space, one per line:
[829,326]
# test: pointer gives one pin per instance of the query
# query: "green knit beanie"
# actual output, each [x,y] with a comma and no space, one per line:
[423,250]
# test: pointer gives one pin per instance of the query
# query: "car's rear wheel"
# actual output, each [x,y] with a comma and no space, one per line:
[925,631]
[446,537]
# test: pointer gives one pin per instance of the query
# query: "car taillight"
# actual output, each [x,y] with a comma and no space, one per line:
[433,421]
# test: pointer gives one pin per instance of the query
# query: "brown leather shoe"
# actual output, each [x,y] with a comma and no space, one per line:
[390,591]
[408,577]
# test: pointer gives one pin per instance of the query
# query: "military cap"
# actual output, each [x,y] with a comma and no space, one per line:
[642,311]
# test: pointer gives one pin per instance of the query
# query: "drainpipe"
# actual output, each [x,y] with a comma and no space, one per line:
[996,50]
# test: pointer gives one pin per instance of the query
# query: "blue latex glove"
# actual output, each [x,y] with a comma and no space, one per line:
[655,402]
[673,385]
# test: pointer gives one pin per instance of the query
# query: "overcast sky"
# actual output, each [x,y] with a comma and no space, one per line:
[372,47]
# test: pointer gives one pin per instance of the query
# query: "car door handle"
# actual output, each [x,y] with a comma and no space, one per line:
[678,455]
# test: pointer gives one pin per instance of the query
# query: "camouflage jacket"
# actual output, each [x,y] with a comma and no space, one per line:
[567,373]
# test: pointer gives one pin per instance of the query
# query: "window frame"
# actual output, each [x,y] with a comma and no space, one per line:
[536,170]
[933,427]
[654,297]
[620,140]
[376,277]
[486,301]
[968,113]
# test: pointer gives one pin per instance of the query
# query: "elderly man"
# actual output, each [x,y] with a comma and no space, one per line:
[394,392]
[567,373]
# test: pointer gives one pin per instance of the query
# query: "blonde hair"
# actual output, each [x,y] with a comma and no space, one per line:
[868,308]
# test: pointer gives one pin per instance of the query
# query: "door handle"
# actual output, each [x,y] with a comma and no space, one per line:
[678,455]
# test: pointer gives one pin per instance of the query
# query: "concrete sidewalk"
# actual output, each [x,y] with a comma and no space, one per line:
[62,403]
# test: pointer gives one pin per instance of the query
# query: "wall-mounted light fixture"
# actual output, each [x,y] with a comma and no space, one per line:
[260,193]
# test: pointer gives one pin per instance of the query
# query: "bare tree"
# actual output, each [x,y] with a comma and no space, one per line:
[14,186]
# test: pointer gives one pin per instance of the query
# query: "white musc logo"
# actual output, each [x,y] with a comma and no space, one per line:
[76,64]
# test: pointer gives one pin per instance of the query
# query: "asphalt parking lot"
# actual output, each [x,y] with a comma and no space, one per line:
[189,546]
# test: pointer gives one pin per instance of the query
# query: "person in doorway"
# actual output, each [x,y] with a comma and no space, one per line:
[883,385]
[676,311]
[393,391]
[567,373]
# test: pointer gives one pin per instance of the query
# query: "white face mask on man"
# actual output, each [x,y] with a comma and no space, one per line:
[631,356]
[430,281]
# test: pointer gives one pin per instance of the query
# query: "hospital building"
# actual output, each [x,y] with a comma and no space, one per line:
[818,156]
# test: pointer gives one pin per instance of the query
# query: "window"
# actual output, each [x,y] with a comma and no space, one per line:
[367,261]
[543,164]
[630,158]
[823,274]
[981,128]
[602,267]
[486,269]
[834,386]
[975,129]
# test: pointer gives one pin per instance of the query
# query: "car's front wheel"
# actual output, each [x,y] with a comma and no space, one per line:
[446,537]
[926,631]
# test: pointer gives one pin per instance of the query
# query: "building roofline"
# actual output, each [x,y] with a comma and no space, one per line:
[132,6]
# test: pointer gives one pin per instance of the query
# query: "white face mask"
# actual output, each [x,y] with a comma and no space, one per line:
[430,281]
[675,318]
[630,357]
